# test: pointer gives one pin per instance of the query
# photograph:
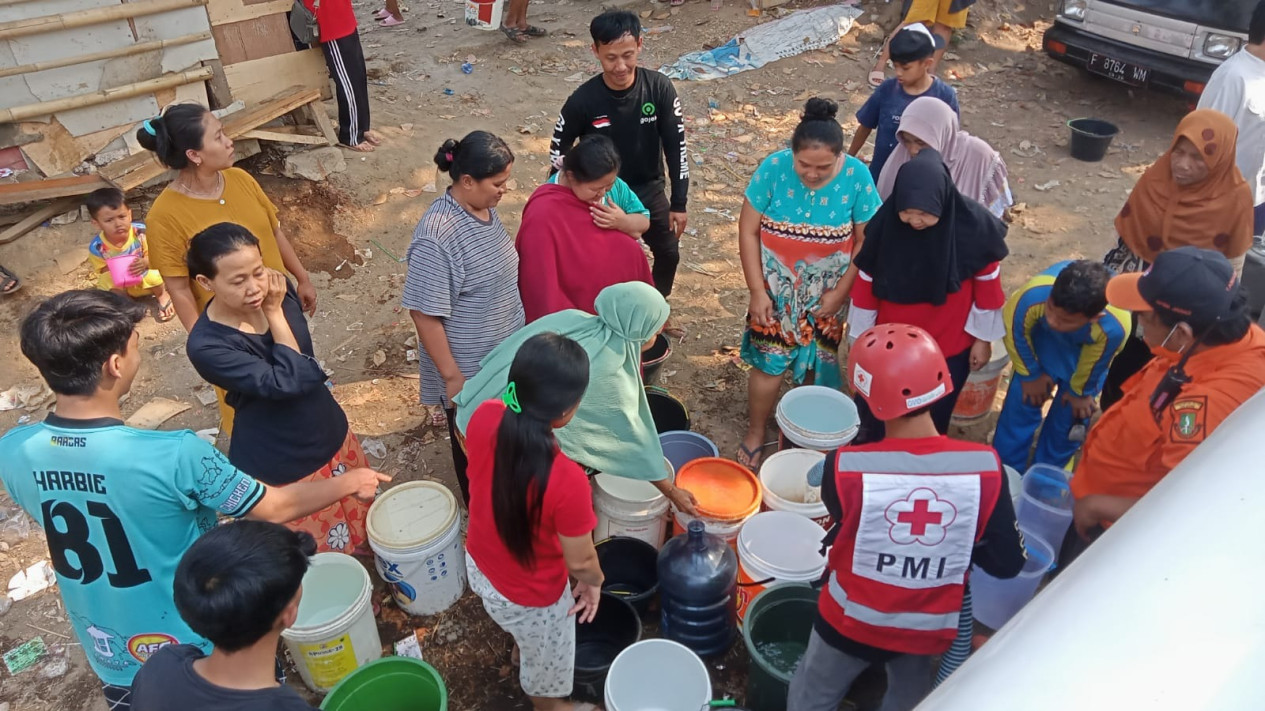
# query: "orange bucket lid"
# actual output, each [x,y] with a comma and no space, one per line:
[726,490]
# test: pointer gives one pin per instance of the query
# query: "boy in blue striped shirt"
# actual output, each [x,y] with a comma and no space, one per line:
[1061,336]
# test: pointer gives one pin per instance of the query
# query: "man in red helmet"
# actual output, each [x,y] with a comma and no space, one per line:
[915,510]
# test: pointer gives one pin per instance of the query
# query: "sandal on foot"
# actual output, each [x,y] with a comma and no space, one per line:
[166,310]
[877,78]
[9,282]
[514,34]
[438,418]
[750,457]
[677,3]
[534,31]
[390,21]
[381,14]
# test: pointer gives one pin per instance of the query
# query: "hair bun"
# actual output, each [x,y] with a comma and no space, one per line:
[819,109]
[447,154]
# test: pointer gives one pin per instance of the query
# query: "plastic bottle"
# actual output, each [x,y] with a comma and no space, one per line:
[698,579]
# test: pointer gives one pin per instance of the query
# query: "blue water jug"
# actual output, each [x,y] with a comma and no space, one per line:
[698,579]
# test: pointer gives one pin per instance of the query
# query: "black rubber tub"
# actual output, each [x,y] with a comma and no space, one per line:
[631,566]
[597,643]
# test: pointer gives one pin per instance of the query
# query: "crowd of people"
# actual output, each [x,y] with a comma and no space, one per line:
[530,350]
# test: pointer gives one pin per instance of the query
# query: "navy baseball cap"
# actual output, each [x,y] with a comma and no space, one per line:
[1189,284]
[914,42]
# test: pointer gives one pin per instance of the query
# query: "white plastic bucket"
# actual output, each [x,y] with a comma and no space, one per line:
[817,417]
[995,600]
[415,534]
[777,547]
[335,632]
[980,389]
[657,675]
[784,479]
[484,15]
[630,507]
[728,530]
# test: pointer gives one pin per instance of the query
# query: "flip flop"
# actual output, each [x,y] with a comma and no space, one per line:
[9,282]
[166,311]
[877,78]
[381,14]
[438,418]
[677,3]
[514,34]
[748,457]
[534,31]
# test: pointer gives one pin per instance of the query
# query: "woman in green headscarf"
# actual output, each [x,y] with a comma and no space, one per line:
[612,431]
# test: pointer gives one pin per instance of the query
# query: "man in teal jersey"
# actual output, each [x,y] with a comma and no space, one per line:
[119,505]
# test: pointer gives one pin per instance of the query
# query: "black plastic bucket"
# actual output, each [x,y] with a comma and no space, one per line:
[597,643]
[669,413]
[631,566]
[1090,138]
[652,360]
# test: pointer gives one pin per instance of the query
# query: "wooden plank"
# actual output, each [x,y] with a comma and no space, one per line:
[223,12]
[47,189]
[36,218]
[316,114]
[132,50]
[60,152]
[264,134]
[105,96]
[258,80]
[82,18]
[261,37]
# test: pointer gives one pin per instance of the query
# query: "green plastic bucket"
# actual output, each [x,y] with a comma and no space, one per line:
[776,629]
[390,684]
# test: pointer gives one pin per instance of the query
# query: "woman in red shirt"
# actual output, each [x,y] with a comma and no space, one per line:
[932,259]
[340,41]
[531,517]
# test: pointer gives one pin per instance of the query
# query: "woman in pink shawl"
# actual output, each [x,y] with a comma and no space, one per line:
[579,233]
[978,171]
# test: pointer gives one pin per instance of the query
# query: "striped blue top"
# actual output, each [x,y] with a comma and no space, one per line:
[464,271]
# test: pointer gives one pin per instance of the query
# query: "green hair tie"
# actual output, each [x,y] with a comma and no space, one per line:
[510,398]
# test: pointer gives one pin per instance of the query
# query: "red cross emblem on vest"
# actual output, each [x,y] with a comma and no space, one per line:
[921,517]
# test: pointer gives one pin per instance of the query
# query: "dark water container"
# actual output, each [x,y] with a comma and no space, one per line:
[698,578]
[597,643]
[631,568]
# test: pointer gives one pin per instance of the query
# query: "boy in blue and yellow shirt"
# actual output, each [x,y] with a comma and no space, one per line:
[118,236]
[1061,336]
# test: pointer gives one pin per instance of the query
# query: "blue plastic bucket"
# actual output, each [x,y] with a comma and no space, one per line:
[682,447]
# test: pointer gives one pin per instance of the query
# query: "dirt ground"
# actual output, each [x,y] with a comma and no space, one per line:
[352,233]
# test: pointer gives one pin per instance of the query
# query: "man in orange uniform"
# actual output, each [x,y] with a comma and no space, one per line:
[1209,359]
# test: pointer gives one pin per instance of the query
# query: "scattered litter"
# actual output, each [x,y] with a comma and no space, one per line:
[155,412]
[1047,186]
[206,396]
[24,419]
[410,355]
[406,127]
[55,668]
[409,647]
[379,357]
[340,265]
[701,270]
[374,448]
[795,34]
[723,213]
[357,326]
[429,188]
[448,92]
[410,342]
[208,435]
[467,68]
[35,579]
[388,252]
[528,129]
[28,397]
[24,656]
[364,252]
[662,29]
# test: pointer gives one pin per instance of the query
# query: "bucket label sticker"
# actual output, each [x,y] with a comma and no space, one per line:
[329,661]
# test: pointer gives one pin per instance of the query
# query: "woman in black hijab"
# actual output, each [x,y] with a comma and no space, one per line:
[931,259]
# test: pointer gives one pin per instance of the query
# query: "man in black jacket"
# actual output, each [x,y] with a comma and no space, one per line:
[639,110]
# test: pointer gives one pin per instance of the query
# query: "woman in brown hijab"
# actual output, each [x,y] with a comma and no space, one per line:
[1194,195]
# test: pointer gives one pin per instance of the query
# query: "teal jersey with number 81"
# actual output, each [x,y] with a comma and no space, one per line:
[119,507]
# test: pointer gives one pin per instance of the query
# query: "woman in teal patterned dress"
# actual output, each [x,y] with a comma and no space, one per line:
[803,219]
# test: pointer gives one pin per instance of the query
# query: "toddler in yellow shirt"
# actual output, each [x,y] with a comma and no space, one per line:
[117,239]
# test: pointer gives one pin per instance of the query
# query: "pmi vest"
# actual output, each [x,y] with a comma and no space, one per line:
[897,571]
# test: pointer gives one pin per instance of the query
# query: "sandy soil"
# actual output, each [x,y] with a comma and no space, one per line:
[353,231]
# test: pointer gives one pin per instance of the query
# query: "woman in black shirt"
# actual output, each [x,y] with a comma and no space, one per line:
[252,340]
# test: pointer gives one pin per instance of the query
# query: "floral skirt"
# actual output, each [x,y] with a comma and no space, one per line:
[340,527]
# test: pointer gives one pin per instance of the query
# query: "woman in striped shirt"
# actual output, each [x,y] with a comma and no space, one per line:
[462,283]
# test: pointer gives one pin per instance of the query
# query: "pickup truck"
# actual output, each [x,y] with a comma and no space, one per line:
[1167,45]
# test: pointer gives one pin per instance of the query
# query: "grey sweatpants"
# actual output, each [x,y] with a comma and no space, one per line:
[825,675]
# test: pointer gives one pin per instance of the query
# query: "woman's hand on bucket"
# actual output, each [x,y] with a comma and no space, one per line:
[586,599]
[683,500]
[365,482]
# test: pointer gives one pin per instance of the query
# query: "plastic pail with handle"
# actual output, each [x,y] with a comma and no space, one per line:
[390,684]
[682,447]
[777,547]
[996,600]
[121,270]
[816,417]
[784,480]
[779,623]
[629,507]
[415,534]
[657,675]
[335,632]
[1045,503]
[484,14]
[980,390]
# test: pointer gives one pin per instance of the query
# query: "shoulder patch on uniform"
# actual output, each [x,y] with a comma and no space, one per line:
[1190,415]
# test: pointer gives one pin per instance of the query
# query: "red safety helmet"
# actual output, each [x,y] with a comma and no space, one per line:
[898,368]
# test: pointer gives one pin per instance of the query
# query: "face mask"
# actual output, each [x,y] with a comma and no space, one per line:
[1162,350]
